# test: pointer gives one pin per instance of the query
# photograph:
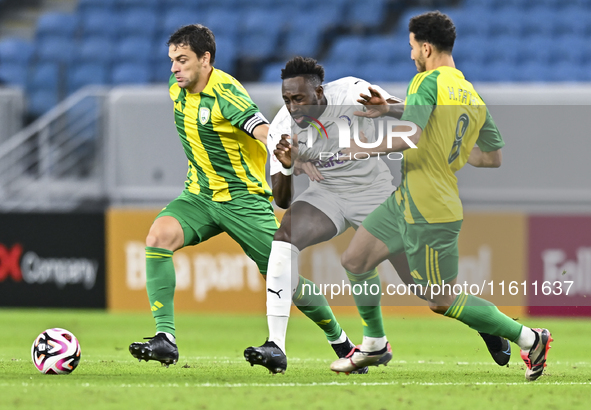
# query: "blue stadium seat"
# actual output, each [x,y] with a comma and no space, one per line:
[504,49]
[176,18]
[467,23]
[537,50]
[387,50]
[572,20]
[326,15]
[566,72]
[257,45]
[41,101]
[472,70]
[129,73]
[473,48]
[223,22]
[539,21]
[142,22]
[55,49]
[225,54]
[57,24]
[261,21]
[272,73]
[133,49]
[402,72]
[160,71]
[367,13]
[496,71]
[16,50]
[402,25]
[534,72]
[87,74]
[302,42]
[96,3]
[101,23]
[505,21]
[45,76]
[130,4]
[13,74]
[95,49]
[346,50]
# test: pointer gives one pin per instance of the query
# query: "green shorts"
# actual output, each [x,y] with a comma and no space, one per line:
[431,249]
[249,220]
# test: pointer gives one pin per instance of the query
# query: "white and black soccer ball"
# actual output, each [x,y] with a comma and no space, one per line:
[56,351]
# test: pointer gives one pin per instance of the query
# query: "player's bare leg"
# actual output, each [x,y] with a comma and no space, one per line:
[165,236]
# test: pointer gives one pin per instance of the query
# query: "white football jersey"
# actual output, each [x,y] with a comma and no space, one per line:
[339,175]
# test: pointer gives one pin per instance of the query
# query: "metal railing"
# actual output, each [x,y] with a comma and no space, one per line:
[56,162]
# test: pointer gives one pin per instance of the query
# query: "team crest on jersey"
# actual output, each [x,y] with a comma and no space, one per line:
[204,115]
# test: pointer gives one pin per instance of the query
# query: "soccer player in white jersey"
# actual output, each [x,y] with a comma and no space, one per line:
[341,194]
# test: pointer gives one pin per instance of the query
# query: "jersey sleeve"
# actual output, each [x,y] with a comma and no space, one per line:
[362,87]
[421,99]
[489,138]
[280,125]
[238,108]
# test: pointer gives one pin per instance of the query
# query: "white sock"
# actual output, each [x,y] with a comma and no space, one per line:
[341,339]
[168,336]
[282,267]
[526,339]
[373,344]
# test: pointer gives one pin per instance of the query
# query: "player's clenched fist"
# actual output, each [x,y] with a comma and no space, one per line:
[285,152]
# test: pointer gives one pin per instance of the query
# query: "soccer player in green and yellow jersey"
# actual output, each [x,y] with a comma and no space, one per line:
[423,218]
[224,138]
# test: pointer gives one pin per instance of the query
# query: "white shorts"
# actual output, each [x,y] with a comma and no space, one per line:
[346,209]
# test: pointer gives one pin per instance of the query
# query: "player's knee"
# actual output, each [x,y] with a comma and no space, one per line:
[282,235]
[353,263]
[162,238]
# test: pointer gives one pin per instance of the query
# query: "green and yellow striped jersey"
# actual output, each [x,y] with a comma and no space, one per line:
[215,127]
[453,118]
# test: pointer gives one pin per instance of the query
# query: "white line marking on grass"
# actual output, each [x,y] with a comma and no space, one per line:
[324,384]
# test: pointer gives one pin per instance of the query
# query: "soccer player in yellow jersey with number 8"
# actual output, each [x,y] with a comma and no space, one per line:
[424,216]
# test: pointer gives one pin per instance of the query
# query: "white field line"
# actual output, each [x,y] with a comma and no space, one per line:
[325,384]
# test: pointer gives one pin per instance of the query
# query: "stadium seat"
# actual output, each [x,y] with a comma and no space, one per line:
[473,48]
[504,49]
[95,49]
[160,71]
[496,71]
[538,49]
[386,50]
[225,54]
[101,23]
[57,24]
[566,72]
[223,22]
[129,73]
[55,49]
[326,15]
[175,18]
[257,45]
[467,23]
[14,74]
[130,4]
[85,74]
[261,21]
[142,22]
[368,13]
[16,50]
[133,49]
[302,42]
[539,21]
[572,21]
[346,50]
[402,25]
[41,101]
[45,76]
[272,73]
[505,21]
[533,71]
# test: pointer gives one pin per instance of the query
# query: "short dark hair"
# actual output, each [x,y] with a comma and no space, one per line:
[305,67]
[199,39]
[435,28]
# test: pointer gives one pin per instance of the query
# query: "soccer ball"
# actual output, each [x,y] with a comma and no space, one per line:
[56,351]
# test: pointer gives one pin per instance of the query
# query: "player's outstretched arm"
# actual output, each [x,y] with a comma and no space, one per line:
[378,106]
[482,159]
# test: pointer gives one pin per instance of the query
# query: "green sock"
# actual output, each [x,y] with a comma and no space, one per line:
[160,284]
[312,303]
[483,316]
[368,301]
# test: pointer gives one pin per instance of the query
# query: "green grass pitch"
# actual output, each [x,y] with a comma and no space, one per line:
[438,363]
